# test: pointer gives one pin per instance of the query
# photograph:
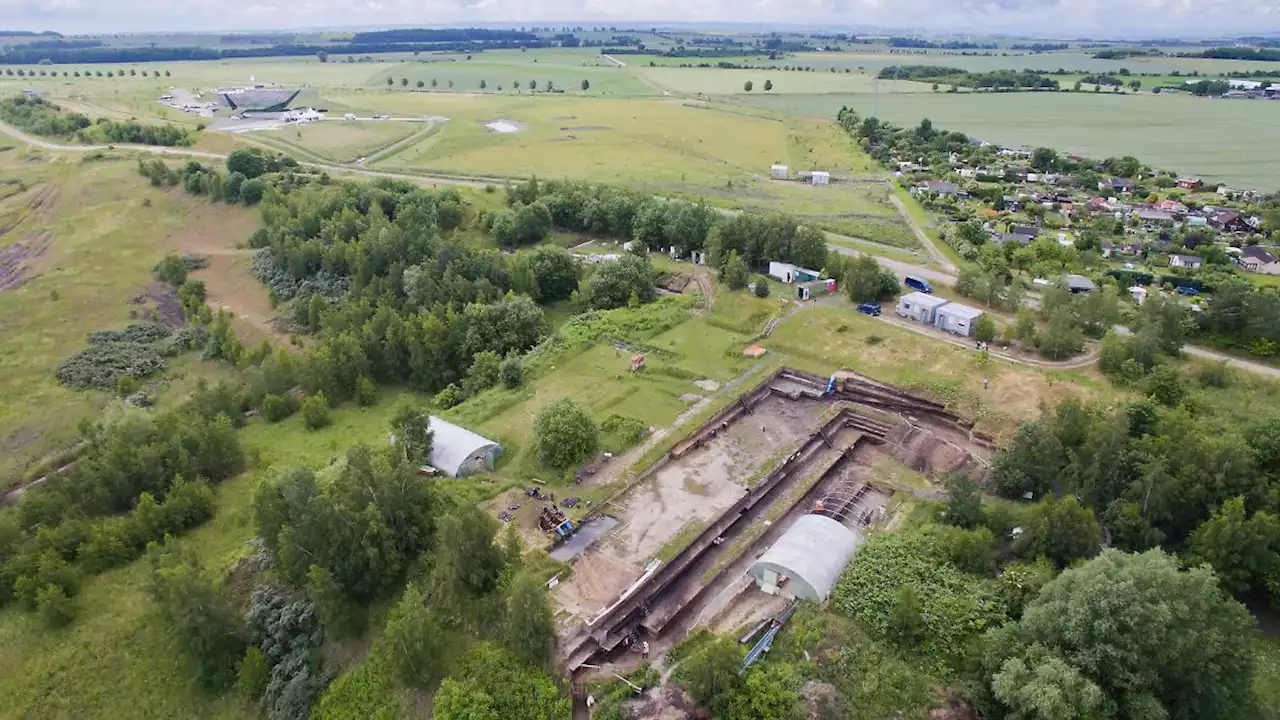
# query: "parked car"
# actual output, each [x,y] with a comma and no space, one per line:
[916,283]
[872,309]
[1188,291]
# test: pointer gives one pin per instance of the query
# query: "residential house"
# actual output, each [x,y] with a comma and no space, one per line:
[1152,218]
[1171,206]
[940,187]
[1002,238]
[1017,152]
[1120,185]
[1193,184]
[1256,259]
[1078,284]
[1011,203]
[1229,222]
[1028,230]
[1187,262]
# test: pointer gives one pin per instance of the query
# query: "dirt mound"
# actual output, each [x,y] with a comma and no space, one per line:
[16,260]
[662,703]
[927,453]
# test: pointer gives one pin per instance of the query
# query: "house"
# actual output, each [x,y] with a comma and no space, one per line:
[1191,183]
[1120,185]
[1028,230]
[788,273]
[1011,203]
[1153,217]
[1016,152]
[967,173]
[1078,284]
[820,177]
[1229,222]
[920,307]
[1171,206]
[458,452]
[778,172]
[1189,262]
[956,318]
[940,187]
[1002,238]
[1197,221]
[1256,259]
[815,288]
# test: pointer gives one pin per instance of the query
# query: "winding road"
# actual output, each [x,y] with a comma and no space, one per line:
[898,267]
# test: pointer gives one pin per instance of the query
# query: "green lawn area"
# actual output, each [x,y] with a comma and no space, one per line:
[344,141]
[103,242]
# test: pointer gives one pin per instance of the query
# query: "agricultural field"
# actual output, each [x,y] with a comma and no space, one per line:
[714,81]
[501,74]
[83,237]
[875,58]
[1165,131]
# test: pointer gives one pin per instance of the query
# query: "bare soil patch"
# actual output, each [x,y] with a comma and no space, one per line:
[576,128]
[17,261]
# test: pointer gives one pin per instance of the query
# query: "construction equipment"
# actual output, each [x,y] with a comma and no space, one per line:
[766,641]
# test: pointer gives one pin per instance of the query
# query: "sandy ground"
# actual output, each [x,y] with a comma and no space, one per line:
[686,493]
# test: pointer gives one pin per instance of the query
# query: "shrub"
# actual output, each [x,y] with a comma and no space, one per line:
[251,678]
[366,392]
[170,270]
[451,395]
[565,434]
[289,634]
[511,371]
[315,411]
[276,407]
[143,333]
[126,386]
[100,366]
[761,287]
[622,432]
[56,609]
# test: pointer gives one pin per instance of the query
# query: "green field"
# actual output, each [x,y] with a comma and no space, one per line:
[713,81]
[1236,142]
[343,141]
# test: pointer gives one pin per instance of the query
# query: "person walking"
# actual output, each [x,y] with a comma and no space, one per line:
[644,650]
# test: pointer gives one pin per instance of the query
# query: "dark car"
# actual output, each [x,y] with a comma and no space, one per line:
[1187,290]
[872,309]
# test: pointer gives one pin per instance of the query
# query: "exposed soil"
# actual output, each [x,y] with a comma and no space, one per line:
[17,260]
[586,127]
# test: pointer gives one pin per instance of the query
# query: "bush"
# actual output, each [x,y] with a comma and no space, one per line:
[289,634]
[251,191]
[142,333]
[451,395]
[565,434]
[56,609]
[760,287]
[366,392]
[251,678]
[622,432]
[101,365]
[315,411]
[170,270]
[276,407]
[511,371]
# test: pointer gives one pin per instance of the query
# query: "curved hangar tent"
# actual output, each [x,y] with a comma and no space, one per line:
[457,452]
[810,556]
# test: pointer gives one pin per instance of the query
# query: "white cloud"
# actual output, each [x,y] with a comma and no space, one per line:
[1058,18]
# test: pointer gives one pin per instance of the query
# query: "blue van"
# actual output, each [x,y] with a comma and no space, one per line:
[916,283]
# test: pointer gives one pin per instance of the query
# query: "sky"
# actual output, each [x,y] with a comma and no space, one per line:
[1040,18]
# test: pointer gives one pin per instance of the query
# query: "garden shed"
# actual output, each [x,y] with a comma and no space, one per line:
[458,452]
[807,560]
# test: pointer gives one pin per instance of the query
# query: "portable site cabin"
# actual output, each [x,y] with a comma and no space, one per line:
[956,318]
[779,172]
[820,177]
[815,288]
[920,307]
[788,273]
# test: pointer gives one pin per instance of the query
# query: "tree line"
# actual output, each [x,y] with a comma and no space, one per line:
[995,79]
[21,55]
[40,117]
[76,73]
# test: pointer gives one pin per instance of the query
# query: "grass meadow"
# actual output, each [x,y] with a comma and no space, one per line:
[341,141]
[103,242]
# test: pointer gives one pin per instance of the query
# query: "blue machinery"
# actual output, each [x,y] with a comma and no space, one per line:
[766,641]
[565,529]
[831,385]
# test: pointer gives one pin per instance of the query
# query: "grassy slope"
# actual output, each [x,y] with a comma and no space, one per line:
[104,244]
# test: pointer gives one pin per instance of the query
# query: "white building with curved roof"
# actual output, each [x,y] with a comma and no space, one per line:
[808,558]
[458,452]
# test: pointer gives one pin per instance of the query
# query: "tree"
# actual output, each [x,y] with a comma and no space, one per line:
[1045,159]
[808,248]
[984,328]
[322,56]
[746,87]
[906,623]
[768,85]
[711,674]
[516,84]
[341,616]
[760,286]
[390,81]
[251,191]
[483,372]
[565,434]
[964,502]
[482,85]
[734,273]
[866,281]
[586,85]
[1168,636]
[416,640]
[433,82]
[315,411]
[492,684]
[411,427]
[1030,463]
[198,618]
[1061,530]
[530,623]
[469,561]
[511,372]
[1244,550]
[614,284]
[1061,338]
[533,85]
[555,273]
[532,224]
[420,84]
